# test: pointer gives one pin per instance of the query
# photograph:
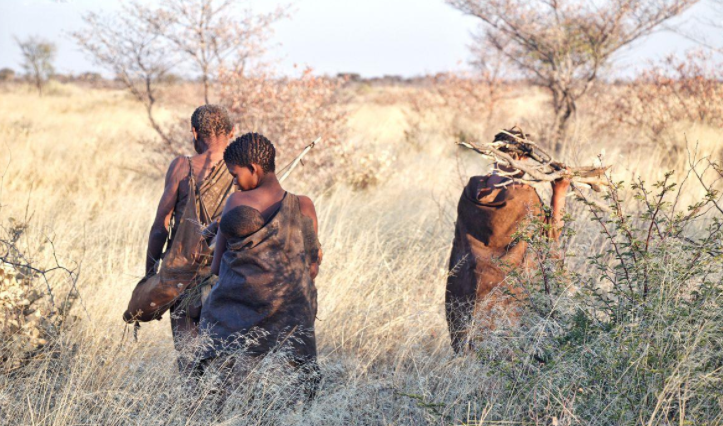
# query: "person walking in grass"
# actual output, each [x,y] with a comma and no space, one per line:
[267,258]
[490,213]
[196,188]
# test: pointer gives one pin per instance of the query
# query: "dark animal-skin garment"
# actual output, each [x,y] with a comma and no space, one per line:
[265,297]
[484,248]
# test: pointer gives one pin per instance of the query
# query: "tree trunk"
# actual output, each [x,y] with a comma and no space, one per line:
[38,79]
[39,85]
[167,140]
[149,101]
[564,107]
[205,87]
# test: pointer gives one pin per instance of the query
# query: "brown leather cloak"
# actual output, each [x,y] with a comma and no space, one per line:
[484,247]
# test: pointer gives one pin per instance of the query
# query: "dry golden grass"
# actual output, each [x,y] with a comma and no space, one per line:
[74,167]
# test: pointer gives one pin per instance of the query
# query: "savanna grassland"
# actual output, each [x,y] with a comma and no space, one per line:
[75,171]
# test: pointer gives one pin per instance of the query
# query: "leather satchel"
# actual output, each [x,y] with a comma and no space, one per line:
[185,264]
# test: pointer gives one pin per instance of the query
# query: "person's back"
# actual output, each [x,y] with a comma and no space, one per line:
[202,168]
[487,244]
[203,179]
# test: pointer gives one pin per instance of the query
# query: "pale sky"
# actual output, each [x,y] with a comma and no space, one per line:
[370,37]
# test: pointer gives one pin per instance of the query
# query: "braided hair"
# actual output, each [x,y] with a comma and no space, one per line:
[251,148]
[211,120]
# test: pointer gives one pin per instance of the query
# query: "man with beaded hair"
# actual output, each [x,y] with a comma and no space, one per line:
[196,188]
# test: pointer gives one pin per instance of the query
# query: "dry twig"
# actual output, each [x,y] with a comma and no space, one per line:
[542,168]
[291,166]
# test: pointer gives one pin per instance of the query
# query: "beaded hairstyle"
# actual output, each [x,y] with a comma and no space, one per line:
[211,120]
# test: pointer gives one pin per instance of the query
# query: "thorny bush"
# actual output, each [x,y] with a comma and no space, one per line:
[673,91]
[632,337]
[463,99]
[32,312]
[292,112]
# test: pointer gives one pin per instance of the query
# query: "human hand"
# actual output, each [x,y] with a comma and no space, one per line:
[563,184]
[314,270]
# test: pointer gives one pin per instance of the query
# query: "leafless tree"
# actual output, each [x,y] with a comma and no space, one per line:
[38,56]
[144,44]
[712,21]
[214,34]
[563,45]
[130,46]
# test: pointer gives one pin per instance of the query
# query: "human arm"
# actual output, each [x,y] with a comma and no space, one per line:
[234,200]
[159,230]
[218,252]
[308,210]
[559,192]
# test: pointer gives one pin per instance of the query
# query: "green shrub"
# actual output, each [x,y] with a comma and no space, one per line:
[633,337]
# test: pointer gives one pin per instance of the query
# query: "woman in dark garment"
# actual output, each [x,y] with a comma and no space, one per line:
[267,257]
[490,213]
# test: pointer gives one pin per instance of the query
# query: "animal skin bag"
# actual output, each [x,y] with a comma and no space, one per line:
[186,263]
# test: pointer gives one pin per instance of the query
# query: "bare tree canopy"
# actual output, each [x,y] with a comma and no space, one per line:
[142,45]
[130,46]
[713,22]
[562,45]
[38,57]
[214,34]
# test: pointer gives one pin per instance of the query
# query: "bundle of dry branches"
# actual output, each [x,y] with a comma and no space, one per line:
[513,150]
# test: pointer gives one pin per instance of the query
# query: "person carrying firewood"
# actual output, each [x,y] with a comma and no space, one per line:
[491,211]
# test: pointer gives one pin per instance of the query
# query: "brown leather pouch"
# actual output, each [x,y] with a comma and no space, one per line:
[150,300]
[184,264]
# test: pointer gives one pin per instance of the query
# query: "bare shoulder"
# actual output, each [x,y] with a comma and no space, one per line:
[178,169]
[306,206]
[307,209]
[240,198]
